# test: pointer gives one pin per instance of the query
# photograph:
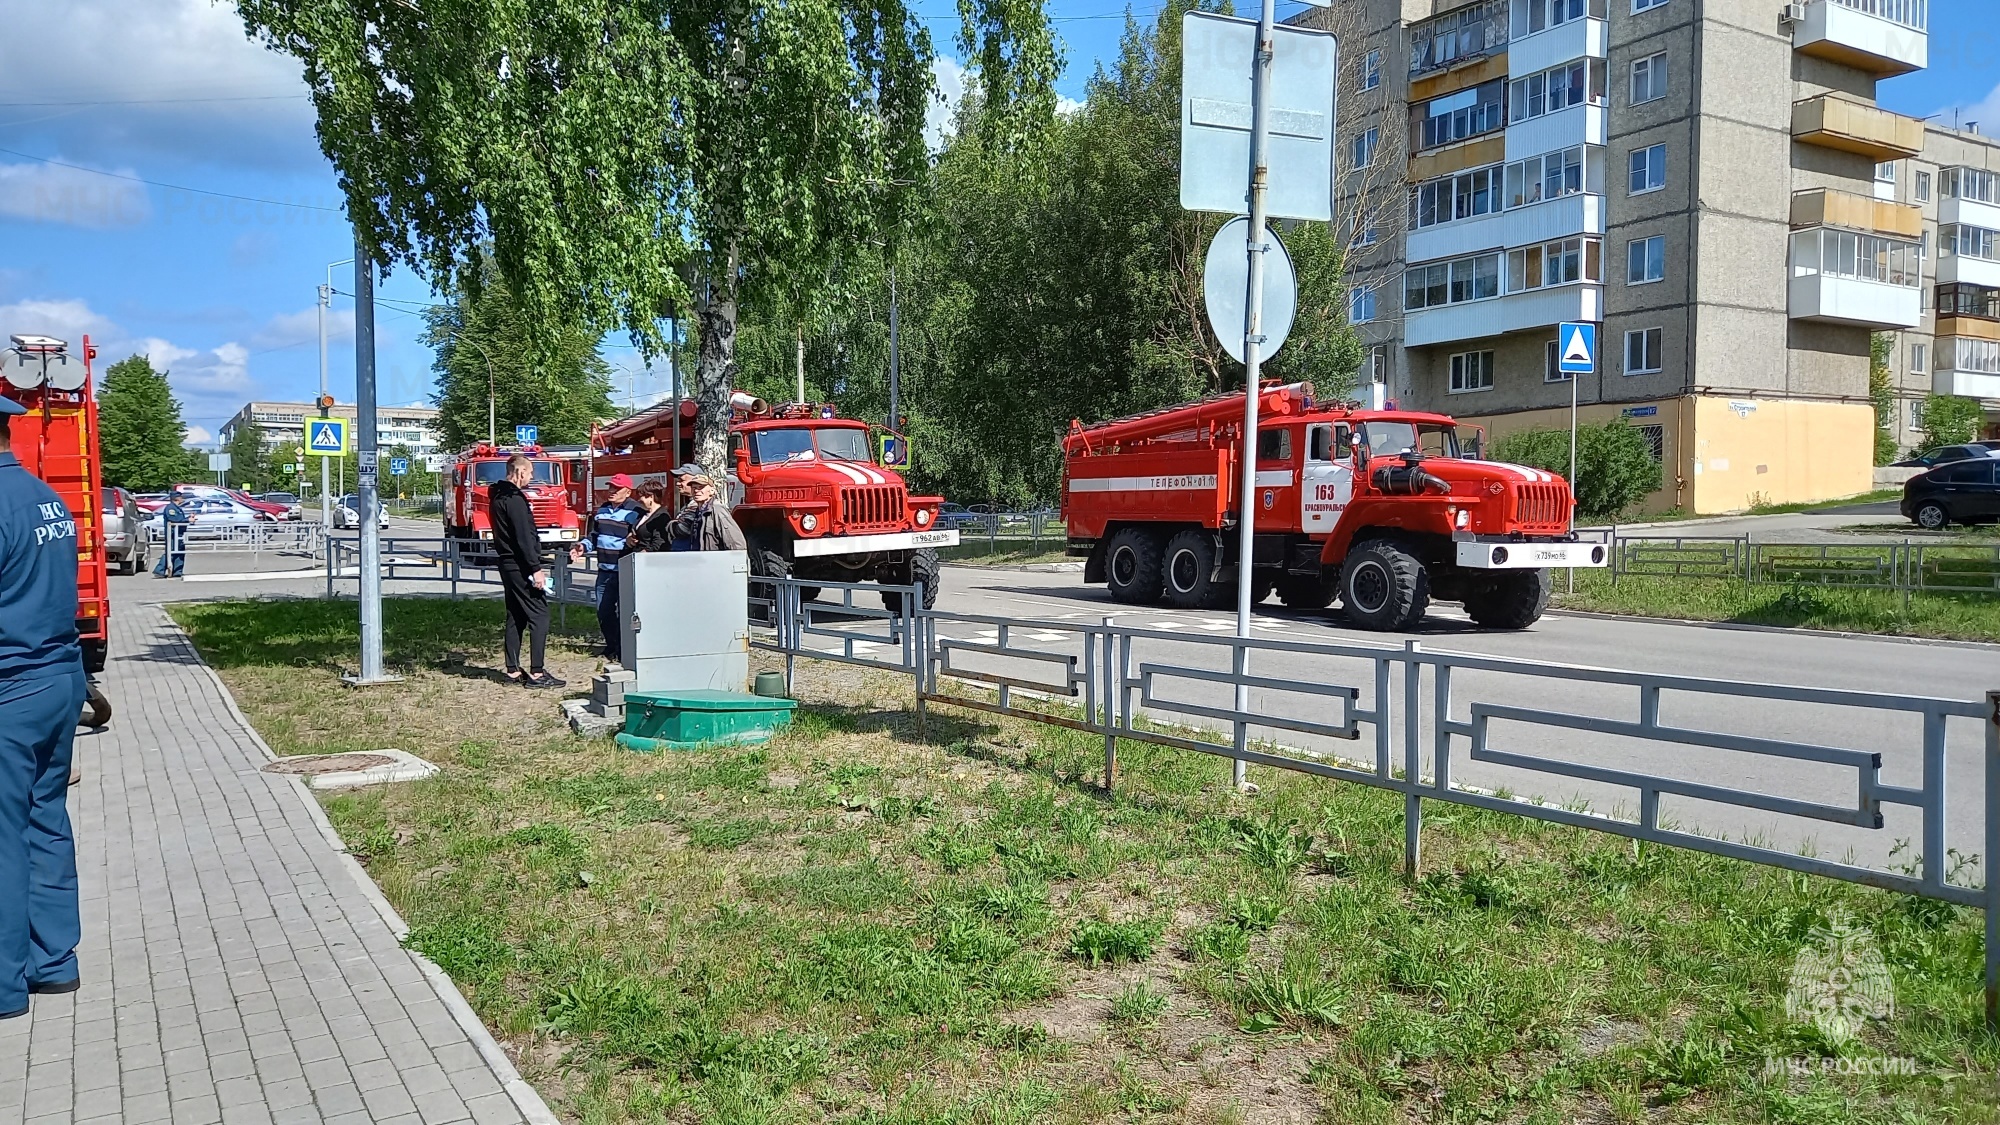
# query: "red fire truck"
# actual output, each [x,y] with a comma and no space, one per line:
[1376,507]
[57,441]
[805,487]
[466,515]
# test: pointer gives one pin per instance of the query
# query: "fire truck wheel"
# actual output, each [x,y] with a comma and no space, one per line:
[1132,566]
[1508,599]
[923,567]
[96,708]
[1309,591]
[1190,565]
[1383,587]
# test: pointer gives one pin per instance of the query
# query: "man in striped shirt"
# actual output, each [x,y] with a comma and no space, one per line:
[610,535]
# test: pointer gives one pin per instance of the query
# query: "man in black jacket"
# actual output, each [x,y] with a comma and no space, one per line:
[522,576]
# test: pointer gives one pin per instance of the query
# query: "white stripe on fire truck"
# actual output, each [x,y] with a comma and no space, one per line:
[873,476]
[1194,482]
[1531,474]
[843,470]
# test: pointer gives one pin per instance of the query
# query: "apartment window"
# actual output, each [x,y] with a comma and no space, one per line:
[1917,414]
[1649,79]
[1371,70]
[1648,169]
[1531,16]
[1967,354]
[1923,187]
[1971,183]
[1361,235]
[1462,196]
[1919,358]
[1471,371]
[1557,89]
[1562,262]
[1885,172]
[1361,305]
[1655,438]
[1364,148]
[1646,260]
[1642,351]
[1646,5]
[1465,114]
[1451,283]
[1468,33]
[1552,370]
[1867,257]
[1962,299]
[1968,242]
[1547,176]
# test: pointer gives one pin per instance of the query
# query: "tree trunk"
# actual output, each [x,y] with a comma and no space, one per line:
[714,378]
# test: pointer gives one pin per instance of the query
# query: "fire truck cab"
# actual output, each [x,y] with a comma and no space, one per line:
[1380,509]
[466,506]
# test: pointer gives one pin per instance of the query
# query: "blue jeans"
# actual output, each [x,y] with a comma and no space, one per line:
[607,613]
[39,921]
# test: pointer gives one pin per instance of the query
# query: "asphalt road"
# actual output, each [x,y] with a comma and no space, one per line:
[1752,655]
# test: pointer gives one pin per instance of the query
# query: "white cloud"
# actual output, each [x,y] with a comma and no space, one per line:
[1985,111]
[163,65]
[196,435]
[49,193]
[64,319]
[1067,105]
[293,328]
[948,74]
[210,383]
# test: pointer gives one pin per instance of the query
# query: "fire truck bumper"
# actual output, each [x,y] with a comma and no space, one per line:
[556,535]
[1510,555]
[869,544]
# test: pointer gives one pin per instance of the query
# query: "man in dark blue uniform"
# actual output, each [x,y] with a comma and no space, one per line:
[610,532]
[41,694]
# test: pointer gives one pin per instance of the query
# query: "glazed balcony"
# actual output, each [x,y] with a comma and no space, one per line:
[1882,37]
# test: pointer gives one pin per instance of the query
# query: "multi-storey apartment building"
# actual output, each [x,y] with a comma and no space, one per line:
[1710,181]
[412,427]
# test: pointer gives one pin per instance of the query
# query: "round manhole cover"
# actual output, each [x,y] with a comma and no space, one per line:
[328,763]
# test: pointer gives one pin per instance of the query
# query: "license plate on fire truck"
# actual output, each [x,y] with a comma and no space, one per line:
[1488,555]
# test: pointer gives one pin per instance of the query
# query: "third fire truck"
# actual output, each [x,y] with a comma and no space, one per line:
[1377,508]
[805,486]
[474,471]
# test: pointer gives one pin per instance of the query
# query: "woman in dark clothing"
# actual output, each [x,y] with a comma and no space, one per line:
[650,533]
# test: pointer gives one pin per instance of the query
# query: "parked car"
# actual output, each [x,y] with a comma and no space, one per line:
[1965,491]
[150,502]
[286,500]
[257,508]
[347,513]
[210,517]
[1945,455]
[124,530]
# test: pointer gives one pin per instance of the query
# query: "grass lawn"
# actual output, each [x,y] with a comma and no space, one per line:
[1968,617]
[1675,515]
[858,924]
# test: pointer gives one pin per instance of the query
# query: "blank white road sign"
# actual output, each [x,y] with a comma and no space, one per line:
[1217,55]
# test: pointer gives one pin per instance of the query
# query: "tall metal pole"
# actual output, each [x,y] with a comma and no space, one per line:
[364,409]
[1253,360]
[895,376]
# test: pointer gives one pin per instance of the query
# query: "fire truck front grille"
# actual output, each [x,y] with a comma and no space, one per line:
[872,508]
[1541,508]
[547,512]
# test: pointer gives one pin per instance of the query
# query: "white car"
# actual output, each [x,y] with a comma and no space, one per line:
[208,517]
[347,513]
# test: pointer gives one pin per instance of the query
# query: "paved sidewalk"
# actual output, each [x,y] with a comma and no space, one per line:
[235,969]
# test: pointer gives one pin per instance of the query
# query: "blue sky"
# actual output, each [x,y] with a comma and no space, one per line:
[220,290]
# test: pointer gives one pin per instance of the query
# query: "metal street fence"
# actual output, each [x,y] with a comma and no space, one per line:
[1428,716]
[290,537]
[995,531]
[1908,567]
[451,563]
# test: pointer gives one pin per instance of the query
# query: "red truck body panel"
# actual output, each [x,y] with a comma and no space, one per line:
[467,508]
[56,440]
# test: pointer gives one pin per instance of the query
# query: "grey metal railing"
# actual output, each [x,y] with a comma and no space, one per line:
[1906,566]
[292,536]
[1427,715]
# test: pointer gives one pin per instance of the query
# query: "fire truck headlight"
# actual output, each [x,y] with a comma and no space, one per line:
[1464,519]
[809,521]
[1499,556]
[923,517]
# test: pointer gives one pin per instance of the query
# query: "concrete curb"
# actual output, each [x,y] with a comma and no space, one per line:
[530,1103]
[1748,627]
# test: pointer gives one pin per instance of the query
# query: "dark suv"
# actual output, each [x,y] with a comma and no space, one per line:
[1966,491]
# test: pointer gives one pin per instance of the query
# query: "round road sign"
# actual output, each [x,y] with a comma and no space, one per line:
[1225,283]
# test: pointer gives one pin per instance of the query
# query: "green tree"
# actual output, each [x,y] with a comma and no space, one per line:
[249,470]
[1882,394]
[628,158]
[140,429]
[1949,420]
[482,340]
[1615,468]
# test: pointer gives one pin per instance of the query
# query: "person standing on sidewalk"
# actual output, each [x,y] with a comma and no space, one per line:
[523,578]
[610,540]
[41,692]
[174,525]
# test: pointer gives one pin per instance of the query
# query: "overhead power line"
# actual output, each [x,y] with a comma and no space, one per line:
[168,186]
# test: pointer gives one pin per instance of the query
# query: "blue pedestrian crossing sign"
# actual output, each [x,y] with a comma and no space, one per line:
[326,437]
[527,435]
[1578,345]
[398,466]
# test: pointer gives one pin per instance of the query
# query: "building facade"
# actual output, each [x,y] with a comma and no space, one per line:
[1709,181]
[414,427]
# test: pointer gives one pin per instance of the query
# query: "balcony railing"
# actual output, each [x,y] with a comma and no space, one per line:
[1882,37]
[1827,207]
[1852,126]
[1913,14]
[1472,32]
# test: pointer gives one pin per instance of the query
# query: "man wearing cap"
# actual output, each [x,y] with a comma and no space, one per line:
[610,536]
[704,524]
[41,692]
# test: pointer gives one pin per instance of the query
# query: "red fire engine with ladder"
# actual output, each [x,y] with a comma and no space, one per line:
[1378,508]
[56,440]
[804,485]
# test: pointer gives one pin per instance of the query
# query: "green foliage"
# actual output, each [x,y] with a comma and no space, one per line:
[560,384]
[1271,844]
[1274,999]
[1615,467]
[1045,285]
[1138,1004]
[1882,395]
[1949,420]
[140,429]
[1097,942]
[249,470]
